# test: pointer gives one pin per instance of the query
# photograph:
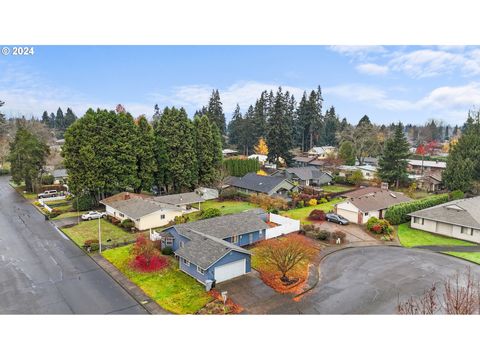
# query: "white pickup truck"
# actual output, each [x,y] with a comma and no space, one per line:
[92,215]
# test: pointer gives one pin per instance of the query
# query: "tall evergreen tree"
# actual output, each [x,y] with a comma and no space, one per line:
[347,153]
[393,161]
[59,120]
[215,112]
[28,155]
[201,112]
[207,149]
[52,122]
[70,118]
[330,128]
[175,150]
[146,162]
[463,162]
[259,118]
[235,130]
[280,135]
[45,118]
[3,122]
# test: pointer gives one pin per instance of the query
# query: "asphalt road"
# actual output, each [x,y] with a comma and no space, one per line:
[370,280]
[42,272]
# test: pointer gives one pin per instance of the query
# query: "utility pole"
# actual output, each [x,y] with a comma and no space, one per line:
[99,235]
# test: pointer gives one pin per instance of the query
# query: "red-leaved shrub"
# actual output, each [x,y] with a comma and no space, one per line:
[147,257]
[318,215]
[377,229]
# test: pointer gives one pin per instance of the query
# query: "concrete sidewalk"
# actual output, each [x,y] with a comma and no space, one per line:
[149,304]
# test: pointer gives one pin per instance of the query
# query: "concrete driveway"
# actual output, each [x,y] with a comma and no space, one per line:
[355,234]
[360,280]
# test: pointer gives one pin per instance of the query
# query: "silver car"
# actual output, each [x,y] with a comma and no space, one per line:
[92,215]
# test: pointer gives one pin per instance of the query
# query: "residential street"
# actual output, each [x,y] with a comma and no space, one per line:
[41,272]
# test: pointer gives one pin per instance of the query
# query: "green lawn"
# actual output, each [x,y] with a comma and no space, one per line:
[473,256]
[412,237]
[226,207]
[171,288]
[68,214]
[337,188]
[302,213]
[88,230]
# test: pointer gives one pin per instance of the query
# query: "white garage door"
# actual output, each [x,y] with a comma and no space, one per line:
[229,271]
[351,216]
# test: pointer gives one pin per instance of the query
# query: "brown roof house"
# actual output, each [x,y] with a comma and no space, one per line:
[364,203]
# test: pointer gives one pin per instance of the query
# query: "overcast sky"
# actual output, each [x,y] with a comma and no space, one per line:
[388,83]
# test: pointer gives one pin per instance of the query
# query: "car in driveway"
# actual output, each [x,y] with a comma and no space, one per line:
[339,219]
[48,194]
[92,215]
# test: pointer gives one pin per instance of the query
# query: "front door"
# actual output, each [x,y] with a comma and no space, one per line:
[360,217]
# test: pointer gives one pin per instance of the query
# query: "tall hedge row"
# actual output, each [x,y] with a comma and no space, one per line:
[240,167]
[397,214]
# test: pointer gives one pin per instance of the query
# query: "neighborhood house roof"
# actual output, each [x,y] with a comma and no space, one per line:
[180,199]
[307,172]
[259,157]
[59,173]
[303,159]
[321,149]
[259,183]
[371,198]
[463,212]
[137,207]
[428,163]
[228,225]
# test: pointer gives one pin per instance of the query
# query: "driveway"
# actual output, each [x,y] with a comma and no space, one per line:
[42,272]
[360,280]
[355,234]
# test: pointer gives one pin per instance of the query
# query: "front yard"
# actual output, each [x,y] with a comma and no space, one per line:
[412,237]
[226,207]
[302,213]
[171,288]
[88,230]
[337,188]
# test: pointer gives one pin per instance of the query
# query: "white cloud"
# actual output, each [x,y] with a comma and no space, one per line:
[357,50]
[372,69]
[453,97]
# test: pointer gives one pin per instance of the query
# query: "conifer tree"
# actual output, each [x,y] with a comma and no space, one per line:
[207,148]
[393,161]
[59,120]
[145,148]
[70,118]
[215,112]
[45,118]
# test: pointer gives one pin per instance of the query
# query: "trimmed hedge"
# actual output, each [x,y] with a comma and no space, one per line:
[240,167]
[397,214]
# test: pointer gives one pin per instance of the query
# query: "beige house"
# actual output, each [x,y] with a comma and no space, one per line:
[362,204]
[459,219]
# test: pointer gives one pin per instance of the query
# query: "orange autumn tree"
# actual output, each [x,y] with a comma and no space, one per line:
[261,148]
[285,255]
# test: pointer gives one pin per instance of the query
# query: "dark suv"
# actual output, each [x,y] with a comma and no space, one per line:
[339,219]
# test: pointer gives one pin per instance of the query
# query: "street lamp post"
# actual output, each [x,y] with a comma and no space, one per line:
[99,235]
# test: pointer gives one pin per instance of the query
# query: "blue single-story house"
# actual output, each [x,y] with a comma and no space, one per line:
[211,249]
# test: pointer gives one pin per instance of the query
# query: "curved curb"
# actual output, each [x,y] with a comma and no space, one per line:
[459,258]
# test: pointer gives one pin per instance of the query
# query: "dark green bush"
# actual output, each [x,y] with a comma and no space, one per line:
[47,179]
[167,250]
[233,194]
[323,235]
[83,202]
[4,172]
[397,214]
[240,167]
[371,222]
[127,224]
[210,213]
[456,195]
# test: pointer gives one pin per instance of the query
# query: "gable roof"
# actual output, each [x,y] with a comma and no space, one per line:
[226,226]
[307,173]
[463,212]
[125,195]
[371,198]
[180,199]
[137,207]
[254,182]
[59,173]
[303,159]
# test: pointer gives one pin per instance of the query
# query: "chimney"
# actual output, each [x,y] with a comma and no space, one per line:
[384,186]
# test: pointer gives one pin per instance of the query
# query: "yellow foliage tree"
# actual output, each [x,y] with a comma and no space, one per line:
[261,173]
[261,148]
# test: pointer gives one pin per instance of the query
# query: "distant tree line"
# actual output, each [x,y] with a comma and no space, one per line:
[59,121]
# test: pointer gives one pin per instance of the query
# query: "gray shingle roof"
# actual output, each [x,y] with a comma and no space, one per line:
[204,250]
[254,182]
[307,173]
[463,212]
[135,207]
[59,173]
[180,199]
[371,198]
[227,225]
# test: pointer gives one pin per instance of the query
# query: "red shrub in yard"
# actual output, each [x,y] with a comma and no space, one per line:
[146,256]
[145,264]
[318,215]
[377,229]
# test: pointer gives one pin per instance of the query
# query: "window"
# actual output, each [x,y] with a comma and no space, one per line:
[182,244]
[417,220]
[169,242]
[162,216]
[235,239]
[467,231]
[186,262]
[366,214]
[200,270]
[250,237]
[121,215]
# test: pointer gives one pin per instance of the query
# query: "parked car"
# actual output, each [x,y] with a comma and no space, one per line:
[339,219]
[48,194]
[92,215]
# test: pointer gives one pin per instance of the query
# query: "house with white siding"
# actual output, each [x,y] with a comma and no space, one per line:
[459,219]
